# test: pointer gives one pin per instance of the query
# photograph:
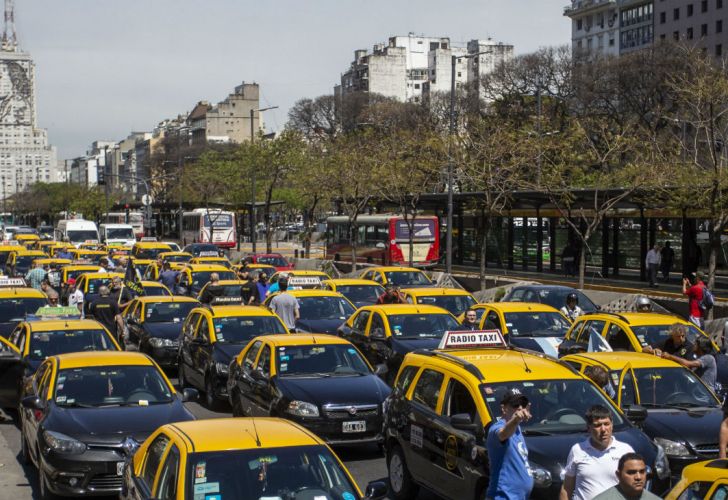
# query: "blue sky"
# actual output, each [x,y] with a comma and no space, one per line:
[107,67]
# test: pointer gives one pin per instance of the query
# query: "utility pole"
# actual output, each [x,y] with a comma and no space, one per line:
[253,219]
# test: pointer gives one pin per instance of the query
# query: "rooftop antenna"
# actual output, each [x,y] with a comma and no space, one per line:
[10,38]
[525,365]
[255,429]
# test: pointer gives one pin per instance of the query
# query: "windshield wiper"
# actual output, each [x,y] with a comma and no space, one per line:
[681,406]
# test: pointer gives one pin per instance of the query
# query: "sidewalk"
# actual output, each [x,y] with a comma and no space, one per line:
[13,481]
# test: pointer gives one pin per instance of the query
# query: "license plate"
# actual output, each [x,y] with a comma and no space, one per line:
[119,468]
[359,426]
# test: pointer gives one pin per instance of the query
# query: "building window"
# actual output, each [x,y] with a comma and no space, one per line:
[719,26]
[578,24]
[676,14]
[719,50]
[690,10]
[689,34]
[703,30]
[662,17]
[718,4]
[704,6]
[676,35]
[662,36]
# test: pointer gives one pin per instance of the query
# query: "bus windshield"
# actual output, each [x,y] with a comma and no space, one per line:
[219,220]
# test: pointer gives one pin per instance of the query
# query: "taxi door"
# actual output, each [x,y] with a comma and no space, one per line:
[38,385]
[423,429]
[377,342]
[245,381]
[200,352]
[357,334]
[262,394]
[133,322]
[186,347]
[11,373]
[627,394]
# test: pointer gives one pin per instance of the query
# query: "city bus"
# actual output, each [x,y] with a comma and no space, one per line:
[384,240]
[196,227]
[136,220]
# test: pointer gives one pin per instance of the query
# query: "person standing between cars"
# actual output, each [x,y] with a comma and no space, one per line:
[262,286]
[46,288]
[676,345]
[168,277]
[652,260]
[104,264]
[106,311]
[693,288]
[75,296]
[572,310]
[248,289]
[391,295]
[704,366]
[120,293]
[35,276]
[600,377]
[470,321]
[509,470]
[631,480]
[213,290]
[63,253]
[276,287]
[667,259]
[285,306]
[591,464]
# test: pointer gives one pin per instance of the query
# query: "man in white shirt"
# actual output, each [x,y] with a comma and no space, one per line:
[652,261]
[75,296]
[591,463]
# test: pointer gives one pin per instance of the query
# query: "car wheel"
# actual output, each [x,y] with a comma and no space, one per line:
[401,485]
[212,403]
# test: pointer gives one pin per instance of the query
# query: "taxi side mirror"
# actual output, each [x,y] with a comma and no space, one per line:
[190,394]
[463,422]
[376,490]
[381,369]
[32,403]
[636,414]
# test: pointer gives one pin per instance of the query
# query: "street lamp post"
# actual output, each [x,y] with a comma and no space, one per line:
[253,219]
[450,166]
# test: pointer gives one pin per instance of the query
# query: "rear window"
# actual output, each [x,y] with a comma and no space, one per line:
[424,230]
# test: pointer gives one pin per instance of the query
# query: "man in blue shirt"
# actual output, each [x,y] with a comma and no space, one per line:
[168,277]
[509,470]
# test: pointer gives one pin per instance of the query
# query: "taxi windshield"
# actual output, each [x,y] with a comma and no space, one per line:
[178,258]
[90,257]
[167,312]
[292,472]
[96,386]
[407,278]
[557,406]
[240,329]
[421,326]
[670,386]
[656,335]
[454,304]
[96,283]
[324,308]
[199,278]
[15,309]
[78,272]
[272,260]
[24,262]
[149,253]
[320,359]
[44,344]
[361,294]
[155,291]
[536,324]
[81,236]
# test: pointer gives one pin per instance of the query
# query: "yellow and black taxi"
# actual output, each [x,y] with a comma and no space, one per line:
[17,302]
[178,257]
[155,289]
[20,261]
[320,311]
[222,261]
[298,280]
[239,458]
[72,271]
[89,245]
[88,255]
[153,270]
[531,325]
[193,277]
[682,412]
[704,480]
[386,333]
[444,401]
[212,337]
[60,248]
[454,300]
[154,324]
[319,381]
[33,341]
[45,245]
[230,292]
[403,277]
[359,292]
[148,250]
[84,414]
[5,251]
[26,239]
[90,283]
[627,331]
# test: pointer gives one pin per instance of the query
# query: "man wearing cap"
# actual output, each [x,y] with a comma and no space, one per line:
[75,296]
[507,452]
[591,464]
[391,295]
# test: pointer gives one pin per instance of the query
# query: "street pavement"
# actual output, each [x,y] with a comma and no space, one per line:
[365,463]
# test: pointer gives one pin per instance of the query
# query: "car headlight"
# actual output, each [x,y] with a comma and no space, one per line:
[672,448]
[158,342]
[61,443]
[541,477]
[303,409]
[662,466]
[221,368]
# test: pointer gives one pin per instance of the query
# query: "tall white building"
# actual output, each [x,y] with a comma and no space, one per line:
[25,156]
[408,67]
[594,26]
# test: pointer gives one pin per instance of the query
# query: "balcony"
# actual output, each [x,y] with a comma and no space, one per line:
[584,6]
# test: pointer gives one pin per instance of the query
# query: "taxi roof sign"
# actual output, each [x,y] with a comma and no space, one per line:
[11,282]
[473,339]
[47,312]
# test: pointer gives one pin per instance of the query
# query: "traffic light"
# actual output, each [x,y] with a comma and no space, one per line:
[126,212]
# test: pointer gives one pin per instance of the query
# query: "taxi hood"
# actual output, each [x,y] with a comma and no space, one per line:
[683,425]
[361,389]
[403,346]
[110,425]
[163,330]
[319,325]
